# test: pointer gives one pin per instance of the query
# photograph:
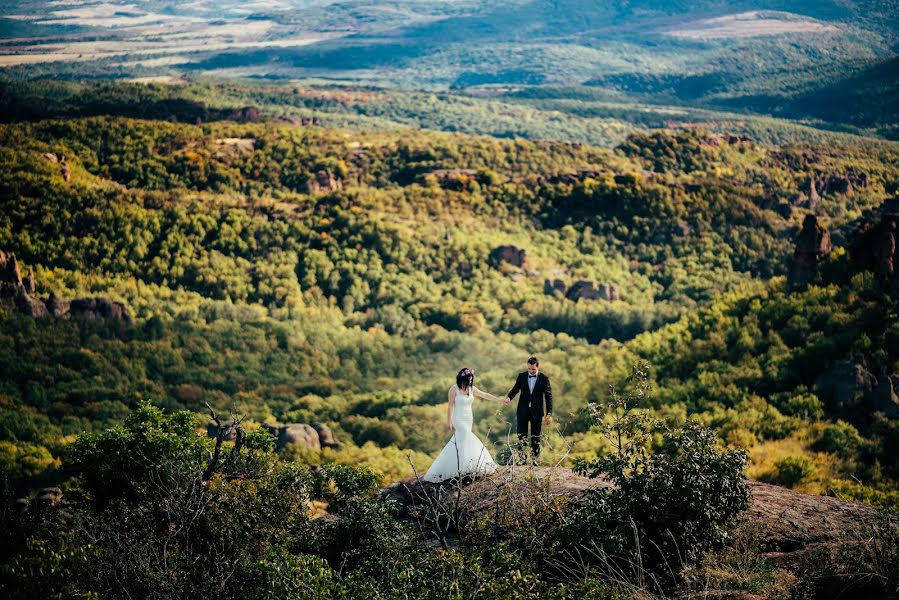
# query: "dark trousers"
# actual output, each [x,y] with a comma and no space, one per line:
[525,418]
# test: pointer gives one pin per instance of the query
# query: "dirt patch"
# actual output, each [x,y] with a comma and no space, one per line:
[751,24]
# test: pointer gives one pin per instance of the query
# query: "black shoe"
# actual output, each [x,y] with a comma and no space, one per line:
[534,462]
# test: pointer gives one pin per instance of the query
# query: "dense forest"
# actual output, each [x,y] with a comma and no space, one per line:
[295,273]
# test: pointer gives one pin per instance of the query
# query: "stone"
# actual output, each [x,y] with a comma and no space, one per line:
[614,293]
[295,434]
[885,249]
[550,286]
[113,312]
[845,385]
[585,290]
[326,437]
[324,181]
[812,246]
[884,398]
[56,305]
[29,305]
[9,270]
[512,255]
[29,283]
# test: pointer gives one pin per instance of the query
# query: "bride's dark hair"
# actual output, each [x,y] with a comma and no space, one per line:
[465,379]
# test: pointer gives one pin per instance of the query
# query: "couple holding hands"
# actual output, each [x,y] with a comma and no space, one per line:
[465,453]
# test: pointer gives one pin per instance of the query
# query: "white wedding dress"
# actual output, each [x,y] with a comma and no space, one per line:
[464,453]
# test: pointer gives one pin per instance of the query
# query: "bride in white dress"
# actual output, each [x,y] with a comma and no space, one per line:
[464,453]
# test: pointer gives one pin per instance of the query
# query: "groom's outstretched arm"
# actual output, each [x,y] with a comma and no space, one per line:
[515,388]
[548,394]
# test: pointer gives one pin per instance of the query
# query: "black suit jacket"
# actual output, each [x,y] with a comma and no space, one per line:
[533,401]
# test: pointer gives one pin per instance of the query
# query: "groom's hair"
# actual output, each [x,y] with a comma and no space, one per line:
[533,361]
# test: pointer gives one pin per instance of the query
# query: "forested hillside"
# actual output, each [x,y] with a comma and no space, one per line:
[303,274]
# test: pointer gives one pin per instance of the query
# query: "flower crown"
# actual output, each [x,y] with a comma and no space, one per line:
[467,371]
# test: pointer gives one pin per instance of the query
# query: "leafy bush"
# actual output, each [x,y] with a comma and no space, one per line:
[841,439]
[662,509]
[791,471]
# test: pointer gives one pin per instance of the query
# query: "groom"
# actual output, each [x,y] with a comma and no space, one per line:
[535,388]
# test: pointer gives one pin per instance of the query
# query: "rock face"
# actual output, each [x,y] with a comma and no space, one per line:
[512,255]
[812,246]
[849,386]
[845,385]
[326,437]
[583,290]
[884,398]
[315,436]
[827,184]
[324,181]
[16,294]
[555,285]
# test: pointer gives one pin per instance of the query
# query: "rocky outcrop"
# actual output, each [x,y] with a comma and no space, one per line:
[776,204]
[583,290]
[452,179]
[828,184]
[301,121]
[324,181]
[326,437]
[812,246]
[884,398]
[16,294]
[849,387]
[789,524]
[315,436]
[60,160]
[513,255]
[554,285]
[846,385]
[244,114]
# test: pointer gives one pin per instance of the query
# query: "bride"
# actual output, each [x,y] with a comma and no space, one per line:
[464,453]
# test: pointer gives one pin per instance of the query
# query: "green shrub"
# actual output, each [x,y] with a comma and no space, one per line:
[790,471]
[664,509]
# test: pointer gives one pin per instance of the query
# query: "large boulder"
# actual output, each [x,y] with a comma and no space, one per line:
[326,437]
[846,385]
[583,290]
[57,306]
[550,286]
[512,255]
[110,311]
[295,434]
[29,305]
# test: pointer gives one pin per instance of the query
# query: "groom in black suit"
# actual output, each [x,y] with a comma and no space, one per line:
[535,389]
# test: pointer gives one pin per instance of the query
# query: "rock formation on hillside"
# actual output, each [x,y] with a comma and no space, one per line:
[512,255]
[324,181]
[583,290]
[790,524]
[18,294]
[848,386]
[812,246]
[313,436]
